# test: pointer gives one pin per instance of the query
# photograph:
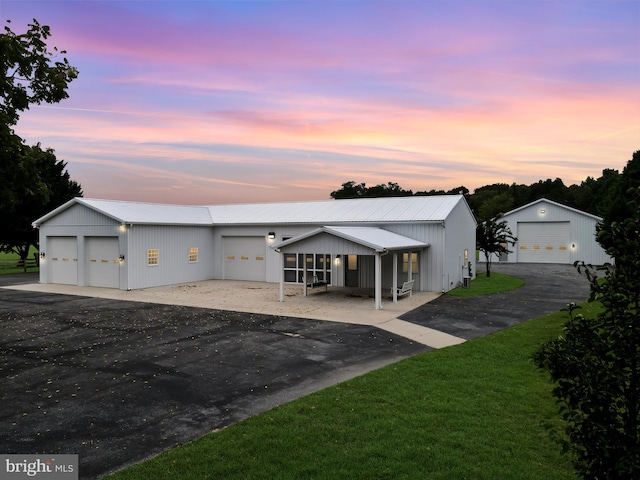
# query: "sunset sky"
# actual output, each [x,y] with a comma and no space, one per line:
[209,102]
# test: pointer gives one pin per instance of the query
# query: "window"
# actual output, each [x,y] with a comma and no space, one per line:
[193,254]
[152,256]
[414,262]
[318,265]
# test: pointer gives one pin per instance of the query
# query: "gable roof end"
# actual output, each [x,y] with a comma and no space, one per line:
[377,239]
[553,203]
[138,212]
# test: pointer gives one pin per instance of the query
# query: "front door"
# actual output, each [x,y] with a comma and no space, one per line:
[351,276]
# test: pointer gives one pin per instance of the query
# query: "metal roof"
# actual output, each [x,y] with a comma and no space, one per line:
[139,213]
[375,238]
[362,210]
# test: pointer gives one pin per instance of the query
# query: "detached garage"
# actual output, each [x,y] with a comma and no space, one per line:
[549,232]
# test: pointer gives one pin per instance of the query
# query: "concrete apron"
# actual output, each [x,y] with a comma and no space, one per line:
[355,306]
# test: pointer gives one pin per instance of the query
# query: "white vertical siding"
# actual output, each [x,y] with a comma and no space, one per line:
[441,263]
[430,268]
[80,215]
[173,243]
[460,234]
[584,246]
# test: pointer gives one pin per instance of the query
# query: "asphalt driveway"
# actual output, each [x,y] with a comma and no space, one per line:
[117,382]
[546,289]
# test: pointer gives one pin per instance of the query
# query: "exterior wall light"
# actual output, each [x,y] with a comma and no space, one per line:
[271,236]
[121,258]
[41,254]
[542,210]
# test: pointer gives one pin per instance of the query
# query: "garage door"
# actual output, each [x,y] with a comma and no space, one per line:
[62,260]
[244,258]
[544,242]
[103,265]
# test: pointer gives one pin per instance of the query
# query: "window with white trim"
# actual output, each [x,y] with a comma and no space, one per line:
[193,254]
[152,257]
[414,262]
[318,266]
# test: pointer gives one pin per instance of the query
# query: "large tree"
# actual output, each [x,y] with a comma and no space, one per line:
[18,235]
[30,73]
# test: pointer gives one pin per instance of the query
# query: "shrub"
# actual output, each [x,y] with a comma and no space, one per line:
[596,362]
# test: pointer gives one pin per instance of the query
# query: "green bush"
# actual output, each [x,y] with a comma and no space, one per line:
[596,362]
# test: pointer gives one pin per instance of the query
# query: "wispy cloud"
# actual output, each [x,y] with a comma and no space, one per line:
[219,102]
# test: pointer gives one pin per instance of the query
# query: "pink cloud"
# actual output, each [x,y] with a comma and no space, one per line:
[430,96]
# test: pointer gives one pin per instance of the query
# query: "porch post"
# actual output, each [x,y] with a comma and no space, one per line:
[395,277]
[304,272]
[410,271]
[378,281]
[281,277]
[324,266]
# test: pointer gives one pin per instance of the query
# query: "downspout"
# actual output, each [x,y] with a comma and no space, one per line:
[444,256]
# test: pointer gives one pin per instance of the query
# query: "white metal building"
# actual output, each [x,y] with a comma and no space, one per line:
[130,245]
[549,232]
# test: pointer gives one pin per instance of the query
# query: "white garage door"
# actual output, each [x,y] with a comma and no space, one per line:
[543,242]
[62,260]
[103,265]
[244,258]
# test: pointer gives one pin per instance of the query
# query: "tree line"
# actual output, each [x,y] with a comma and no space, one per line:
[598,196]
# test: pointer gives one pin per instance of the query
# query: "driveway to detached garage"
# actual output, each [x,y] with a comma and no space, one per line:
[547,289]
[118,381]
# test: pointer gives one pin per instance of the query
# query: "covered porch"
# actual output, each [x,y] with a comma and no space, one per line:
[341,243]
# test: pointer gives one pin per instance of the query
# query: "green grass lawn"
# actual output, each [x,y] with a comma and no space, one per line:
[4,257]
[479,410]
[483,285]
